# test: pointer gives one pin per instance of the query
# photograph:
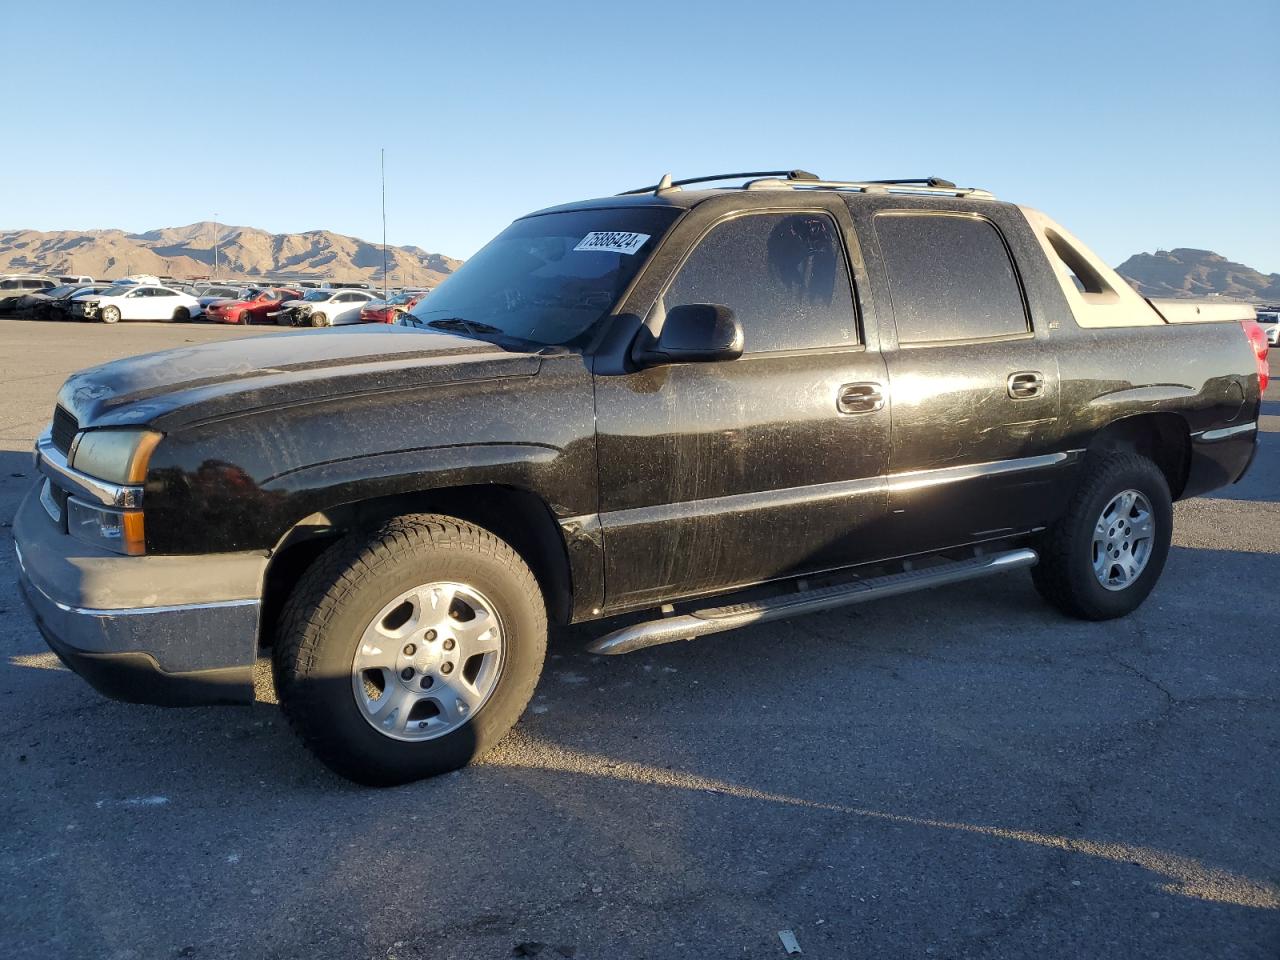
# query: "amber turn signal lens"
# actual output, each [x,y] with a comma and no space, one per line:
[141,458]
[133,534]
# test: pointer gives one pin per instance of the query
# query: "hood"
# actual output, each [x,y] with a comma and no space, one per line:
[175,387]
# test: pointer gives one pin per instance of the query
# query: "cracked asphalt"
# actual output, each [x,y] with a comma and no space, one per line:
[959,774]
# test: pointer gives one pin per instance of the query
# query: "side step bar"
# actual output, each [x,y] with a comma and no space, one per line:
[716,619]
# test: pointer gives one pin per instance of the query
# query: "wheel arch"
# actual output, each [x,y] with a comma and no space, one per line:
[1164,438]
[520,517]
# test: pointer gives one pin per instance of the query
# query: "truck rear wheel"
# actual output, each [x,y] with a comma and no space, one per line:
[407,652]
[1103,557]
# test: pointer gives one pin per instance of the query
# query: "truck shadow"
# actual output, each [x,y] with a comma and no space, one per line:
[982,622]
[970,722]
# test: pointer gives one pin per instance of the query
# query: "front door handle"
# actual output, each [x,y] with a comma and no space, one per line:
[867,397]
[1026,384]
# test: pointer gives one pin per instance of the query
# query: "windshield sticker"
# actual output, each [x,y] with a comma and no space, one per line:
[612,241]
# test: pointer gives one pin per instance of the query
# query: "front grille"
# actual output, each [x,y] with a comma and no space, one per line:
[64,429]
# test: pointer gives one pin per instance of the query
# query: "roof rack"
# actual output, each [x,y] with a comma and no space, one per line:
[926,186]
[803,180]
[666,183]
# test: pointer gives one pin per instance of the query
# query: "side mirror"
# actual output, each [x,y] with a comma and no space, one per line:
[696,333]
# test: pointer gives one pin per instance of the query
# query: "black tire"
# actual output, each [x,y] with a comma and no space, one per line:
[182,315]
[339,596]
[1065,574]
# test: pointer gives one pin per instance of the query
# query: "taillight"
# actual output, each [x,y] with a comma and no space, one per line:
[1258,340]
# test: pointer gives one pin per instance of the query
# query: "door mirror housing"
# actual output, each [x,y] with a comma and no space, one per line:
[695,333]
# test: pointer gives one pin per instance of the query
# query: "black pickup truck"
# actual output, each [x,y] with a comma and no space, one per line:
[785,393]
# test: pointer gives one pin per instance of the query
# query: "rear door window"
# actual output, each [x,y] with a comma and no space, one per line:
[951,278]
[782,274]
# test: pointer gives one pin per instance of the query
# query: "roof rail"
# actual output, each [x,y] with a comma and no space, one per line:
[666,183]
[931,186]
[804,180]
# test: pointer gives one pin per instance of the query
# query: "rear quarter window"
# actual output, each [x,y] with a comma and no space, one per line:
[950,278]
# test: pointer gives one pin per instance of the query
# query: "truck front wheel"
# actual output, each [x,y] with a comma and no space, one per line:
[1105,554]
[407,652]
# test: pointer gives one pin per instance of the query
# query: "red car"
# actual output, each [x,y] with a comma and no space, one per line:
[386,311]
[252,310]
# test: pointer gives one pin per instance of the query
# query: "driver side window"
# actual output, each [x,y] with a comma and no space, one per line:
[784,276]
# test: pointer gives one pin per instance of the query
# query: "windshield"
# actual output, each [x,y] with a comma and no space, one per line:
[59,291]
[118,290]
[317,295]
[546,279]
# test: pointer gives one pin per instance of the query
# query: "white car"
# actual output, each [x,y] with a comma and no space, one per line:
[328,308]
[1269,321]
[135,302]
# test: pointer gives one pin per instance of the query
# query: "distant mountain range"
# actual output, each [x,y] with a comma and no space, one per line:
[243,252]
[1185,272]
[248,253]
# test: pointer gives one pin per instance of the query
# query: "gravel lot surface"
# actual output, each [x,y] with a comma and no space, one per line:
[955,774]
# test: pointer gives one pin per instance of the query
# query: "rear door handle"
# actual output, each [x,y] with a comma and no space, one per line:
[867,397]
[1026,384]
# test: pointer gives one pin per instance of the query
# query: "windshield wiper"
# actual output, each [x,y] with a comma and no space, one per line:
[473,327]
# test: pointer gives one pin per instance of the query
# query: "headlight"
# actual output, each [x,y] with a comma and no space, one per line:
[117,456]
[117,530]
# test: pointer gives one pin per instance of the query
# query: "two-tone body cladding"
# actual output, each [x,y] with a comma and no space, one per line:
[798,394]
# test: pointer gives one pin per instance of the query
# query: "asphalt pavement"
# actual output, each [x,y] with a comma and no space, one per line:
[962,773]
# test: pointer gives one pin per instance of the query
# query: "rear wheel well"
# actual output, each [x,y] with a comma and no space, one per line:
[520,518]
[1162,438]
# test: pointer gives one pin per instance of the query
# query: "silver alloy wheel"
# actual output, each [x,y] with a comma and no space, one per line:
[1122,539]
[428,662]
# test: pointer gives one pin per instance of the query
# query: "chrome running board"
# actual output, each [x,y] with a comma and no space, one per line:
[716,619]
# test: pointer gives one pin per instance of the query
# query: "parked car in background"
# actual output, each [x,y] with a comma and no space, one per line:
[26,304]
[326,308]
[135,302]
[252,309]
[16,285]
[59,307]
[39,304]
[1269,321]
[289,311]
[81,280]
[210,294]
[386,311]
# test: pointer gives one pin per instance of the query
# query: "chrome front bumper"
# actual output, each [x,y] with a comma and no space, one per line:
[177,631]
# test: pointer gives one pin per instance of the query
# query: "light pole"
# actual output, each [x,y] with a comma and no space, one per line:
[215,247]
[384,222]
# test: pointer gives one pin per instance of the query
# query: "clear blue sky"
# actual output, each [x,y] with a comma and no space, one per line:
[1137,125]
